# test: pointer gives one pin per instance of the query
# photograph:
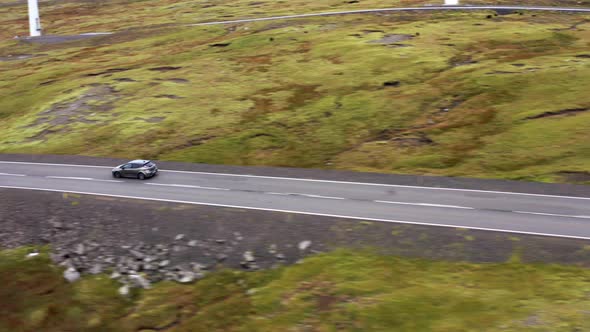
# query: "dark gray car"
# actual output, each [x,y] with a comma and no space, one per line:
[139,169]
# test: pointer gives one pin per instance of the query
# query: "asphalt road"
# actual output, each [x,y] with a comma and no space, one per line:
[549,215]
[403,9]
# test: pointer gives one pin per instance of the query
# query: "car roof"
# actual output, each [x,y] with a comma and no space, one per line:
[138,161]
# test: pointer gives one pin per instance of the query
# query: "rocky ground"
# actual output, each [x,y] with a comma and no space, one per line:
[141,242]
[141,264]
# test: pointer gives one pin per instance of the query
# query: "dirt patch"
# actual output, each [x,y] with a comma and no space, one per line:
[169,96]
[155,119]
[220,45]
[391,83]
[48,40]
[462,60]
[391,39]
[302,94]
[125,80]
[109,71]
[575,177]
[98,99]
[257,59]
[164,68]
[412,140]
[501,72]
[47,82]
[177,80]
[564,112]
[16,57]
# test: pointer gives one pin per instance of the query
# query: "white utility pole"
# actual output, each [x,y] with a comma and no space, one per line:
[34,20]
[447,2]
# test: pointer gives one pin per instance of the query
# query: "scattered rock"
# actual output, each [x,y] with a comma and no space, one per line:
[220,257]
[304,245]
[71,274]
[179,237]
[124,290]
[272,249]
[220,241]
[164,263]
[137,254]
[187,276]
[95,269]
[280,256]
[192,243]
[79,249]
[140,281]
[56,224]
[249,256]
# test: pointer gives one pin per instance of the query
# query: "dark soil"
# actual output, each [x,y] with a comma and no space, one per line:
[567,112]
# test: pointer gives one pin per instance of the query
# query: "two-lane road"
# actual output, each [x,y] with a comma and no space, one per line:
[560,216]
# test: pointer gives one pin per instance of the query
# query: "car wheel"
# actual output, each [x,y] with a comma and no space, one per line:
[141,176]
[117,175]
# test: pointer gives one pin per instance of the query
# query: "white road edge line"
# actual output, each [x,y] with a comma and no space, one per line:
[398,9]
[10,174]
[321,181]
[306,213]
[428,204]
[552,214]
[185,186]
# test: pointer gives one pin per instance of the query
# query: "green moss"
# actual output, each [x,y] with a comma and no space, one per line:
[310,93]
[342,290]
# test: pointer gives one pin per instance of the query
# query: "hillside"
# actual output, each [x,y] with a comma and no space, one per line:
[463,94]
[340,291]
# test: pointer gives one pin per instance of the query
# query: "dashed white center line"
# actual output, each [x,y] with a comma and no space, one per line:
[10,174]
[304,195]
[427,204]
[552,214]
[68,178]
[80,178]
[185,186]
[320,196]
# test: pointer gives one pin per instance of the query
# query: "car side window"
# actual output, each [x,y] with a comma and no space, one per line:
[125,166]
[135,165]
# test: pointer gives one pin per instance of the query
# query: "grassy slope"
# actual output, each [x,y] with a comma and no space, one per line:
[308,93]
[340,291]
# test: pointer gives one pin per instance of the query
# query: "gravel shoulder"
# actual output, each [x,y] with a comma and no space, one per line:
[90,231]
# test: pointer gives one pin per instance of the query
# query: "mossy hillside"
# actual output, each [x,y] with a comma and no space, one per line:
[342,291]
[76,17]
[311,94]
